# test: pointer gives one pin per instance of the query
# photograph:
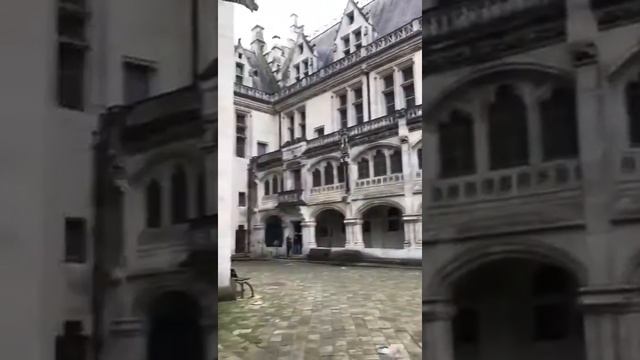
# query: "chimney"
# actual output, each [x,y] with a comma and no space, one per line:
[257,44]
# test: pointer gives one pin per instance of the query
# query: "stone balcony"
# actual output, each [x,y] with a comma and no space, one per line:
[523,198]
[167,247]
[290,198]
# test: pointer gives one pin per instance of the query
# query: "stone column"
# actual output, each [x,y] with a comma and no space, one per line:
[437,316]
[534,126]
[411,230]
[353,232]
[611,322]
[308,236]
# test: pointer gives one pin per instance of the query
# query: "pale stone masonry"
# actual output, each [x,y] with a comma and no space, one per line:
[531,180]
[329,130]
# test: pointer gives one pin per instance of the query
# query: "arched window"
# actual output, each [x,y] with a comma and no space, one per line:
[179,197]
[275,185]
[508,139]
[267,187]
[393,219]
[202,194]
[328,174]
[396,162]
[154,204]
[363,168]
[457,145]
[317,178]
[632,92]
[379,164]
[419,154]
[559,126]
[341,173]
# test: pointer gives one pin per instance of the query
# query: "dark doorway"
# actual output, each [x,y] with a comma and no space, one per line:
[297,237]
[175,332]
[273,234]
[241,240]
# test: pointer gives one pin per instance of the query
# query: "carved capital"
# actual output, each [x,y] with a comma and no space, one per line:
[583,53]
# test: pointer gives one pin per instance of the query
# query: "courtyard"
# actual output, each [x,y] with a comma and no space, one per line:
[315,311]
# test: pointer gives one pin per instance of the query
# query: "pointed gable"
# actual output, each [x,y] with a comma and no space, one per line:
[354,31]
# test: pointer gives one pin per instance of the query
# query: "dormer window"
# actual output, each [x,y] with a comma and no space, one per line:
[357,39]
[300,49]
[350,18]
[342,110]
[296,69]
[346,44]
[239,73]
[305,67]
[239,55]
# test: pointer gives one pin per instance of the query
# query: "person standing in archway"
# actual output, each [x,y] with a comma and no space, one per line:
[297,244]
[289,245]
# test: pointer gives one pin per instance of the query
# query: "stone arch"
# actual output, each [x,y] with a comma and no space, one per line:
[446,276]
[630,58]
[318,162]
[269,174]
[485,73]
[186,157]
[145,296]
[316,211]
[380,145]
[373,203]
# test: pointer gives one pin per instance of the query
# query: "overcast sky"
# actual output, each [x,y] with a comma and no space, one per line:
[274,17]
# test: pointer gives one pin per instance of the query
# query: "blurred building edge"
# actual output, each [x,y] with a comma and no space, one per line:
[531,179]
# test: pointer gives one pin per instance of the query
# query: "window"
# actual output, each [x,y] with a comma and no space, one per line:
[179,203]
[346,44]
[363,168]
[137,81]
[357,38]
[559,126]
[202,194]
[267,187]
[305,67]
[303,124]
[262,148]
[508,139]
[296,69]
[457,157]
[239,55]
[389,95]
[357,105]
[242,199]
[241,135]
[154,204]
[72,345]
[393,219]
[328,174]
[319,131]
[379,164]
[275,184]
[75,240]
[632,92]
[407,87]
[291,127]
[342,111]
[71,67]
[341,173]
[350,18]
[317,178]
[239,73]
[419,154]
[300,49]
[396,162]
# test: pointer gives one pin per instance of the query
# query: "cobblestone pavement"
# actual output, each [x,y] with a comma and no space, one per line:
[317,311]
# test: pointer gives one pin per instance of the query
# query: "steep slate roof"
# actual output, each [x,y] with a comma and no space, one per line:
[385,16]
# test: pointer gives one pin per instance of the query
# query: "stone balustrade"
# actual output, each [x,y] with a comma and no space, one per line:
[552,176]
[371,125]
[444,20]
[380,180]
[253,92]
[327,188]
[290,197]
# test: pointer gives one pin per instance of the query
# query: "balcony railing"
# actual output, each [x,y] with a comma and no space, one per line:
[327,188]
[409,30]
[380,180]
[448,19]
[290,197]
[553,176]
[387,120]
